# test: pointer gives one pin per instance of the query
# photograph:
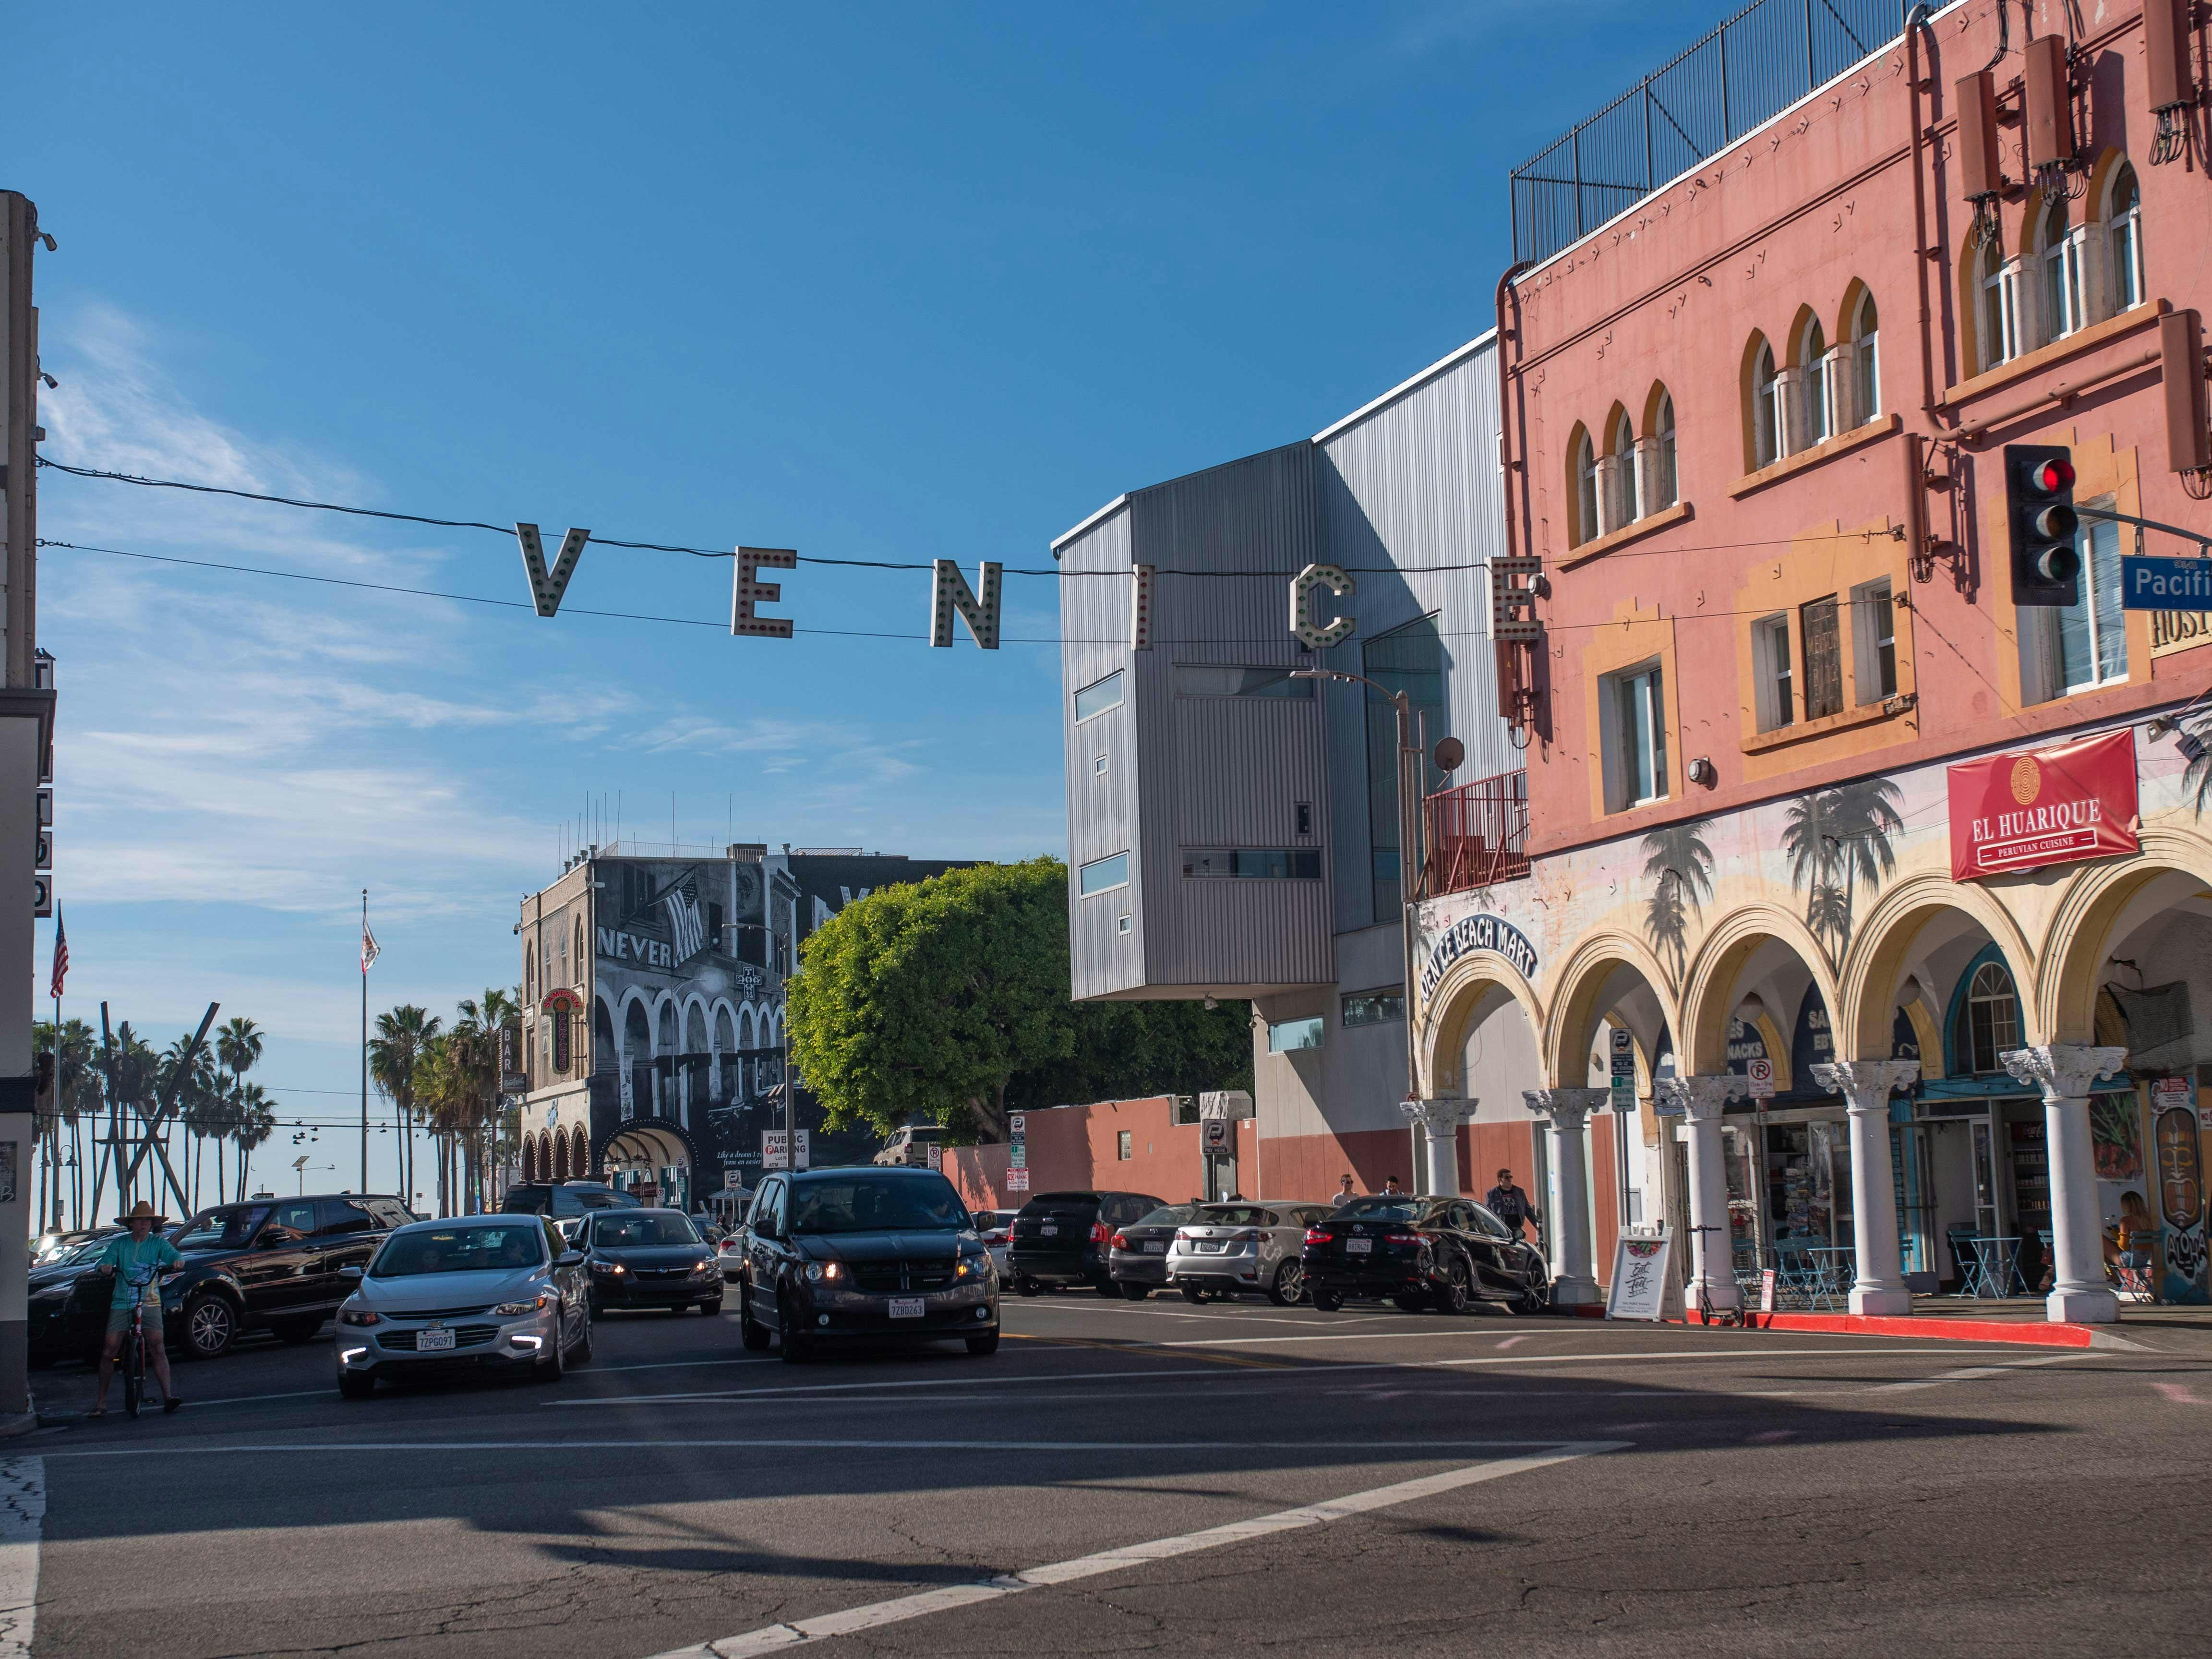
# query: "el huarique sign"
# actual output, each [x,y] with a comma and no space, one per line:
[2043,806]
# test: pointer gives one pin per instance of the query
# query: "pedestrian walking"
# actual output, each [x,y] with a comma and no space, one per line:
[1510,1204]
[1391,1189]
[1343,1193]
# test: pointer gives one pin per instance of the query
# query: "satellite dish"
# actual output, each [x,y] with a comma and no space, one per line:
[1451,754]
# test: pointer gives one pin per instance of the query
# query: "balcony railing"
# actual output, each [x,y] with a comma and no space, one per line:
[1755,65]
[1477,834]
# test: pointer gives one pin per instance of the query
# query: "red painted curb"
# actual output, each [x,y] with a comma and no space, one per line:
[2027,1333]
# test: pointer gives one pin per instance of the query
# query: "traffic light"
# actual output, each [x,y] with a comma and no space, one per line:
[2046,567]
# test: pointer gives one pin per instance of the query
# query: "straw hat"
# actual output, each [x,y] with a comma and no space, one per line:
[142,1211]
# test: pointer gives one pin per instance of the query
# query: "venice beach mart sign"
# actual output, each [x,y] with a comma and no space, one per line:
[2023,810]
[1478,932]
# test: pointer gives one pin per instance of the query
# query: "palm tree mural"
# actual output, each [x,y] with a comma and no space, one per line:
[1835,838]
[2196,742]
[1680,867]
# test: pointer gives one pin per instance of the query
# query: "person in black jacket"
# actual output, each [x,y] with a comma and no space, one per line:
[1510,1204]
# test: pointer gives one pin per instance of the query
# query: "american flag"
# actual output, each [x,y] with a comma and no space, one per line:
[369,949]
[61,957]
[685,924]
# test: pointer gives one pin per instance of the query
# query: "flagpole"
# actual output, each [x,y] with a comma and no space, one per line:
[364,1040]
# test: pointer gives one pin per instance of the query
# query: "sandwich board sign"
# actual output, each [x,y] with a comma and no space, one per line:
[1644,1285]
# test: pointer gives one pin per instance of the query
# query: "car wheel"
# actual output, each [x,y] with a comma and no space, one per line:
[1027,1286]
[355,1385]
[210,1327]
[1290,1286]
[1534,1298]
[1326,1301]
[293,1332]
[1105,1287]
[1413,1302]
[713,1305]
[797,1350]
[1135,1292]
[987,1343]
[1192,1293]
[1453,1295]
[751,1331]
[553,1368]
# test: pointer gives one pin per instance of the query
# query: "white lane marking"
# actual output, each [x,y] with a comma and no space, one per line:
[1425,1449]
[1510,1340]
[679,1365]
[1975,1373]
[23,1518]
[775,1637]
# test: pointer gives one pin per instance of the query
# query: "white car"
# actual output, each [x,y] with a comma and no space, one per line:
[910,1146]
[996,1229]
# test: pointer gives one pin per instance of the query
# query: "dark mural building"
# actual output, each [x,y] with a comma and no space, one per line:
[652,991]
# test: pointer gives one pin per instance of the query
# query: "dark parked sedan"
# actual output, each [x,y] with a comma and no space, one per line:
[649,1258]
[1441,1253]
[1067,1238]
[1138,1253]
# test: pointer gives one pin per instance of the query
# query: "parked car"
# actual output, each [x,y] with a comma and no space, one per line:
[839,1255]
[56,1326]
[910,1146]
[648,1259]
[730,1254]
[996,1229]
[1067,1238]
[472,1292]
[1255,1248]
[1137,1254]
[1443,1253]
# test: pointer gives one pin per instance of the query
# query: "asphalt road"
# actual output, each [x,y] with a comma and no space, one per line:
[1147,1477]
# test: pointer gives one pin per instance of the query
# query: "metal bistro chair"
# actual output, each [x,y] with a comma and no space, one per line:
[1836,1269]
[1967,1254]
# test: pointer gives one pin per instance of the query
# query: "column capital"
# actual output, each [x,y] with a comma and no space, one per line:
[2064,1070]
[1866,1084]
[1702,1099]
[1566,1108]
[1438,1117]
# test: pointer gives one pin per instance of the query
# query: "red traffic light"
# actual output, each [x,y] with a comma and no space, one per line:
[2051,476]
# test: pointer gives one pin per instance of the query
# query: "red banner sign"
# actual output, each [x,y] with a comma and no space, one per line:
[2022,812]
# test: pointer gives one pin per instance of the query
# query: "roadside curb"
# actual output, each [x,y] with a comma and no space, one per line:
[2032,1333]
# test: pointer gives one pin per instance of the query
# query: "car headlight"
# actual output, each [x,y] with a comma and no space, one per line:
[610,1268]
[972,1267]
[531,1307]
[168,1279]
[357,1316]
[819,1271]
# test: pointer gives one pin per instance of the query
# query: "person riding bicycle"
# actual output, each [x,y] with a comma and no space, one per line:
[135,1261]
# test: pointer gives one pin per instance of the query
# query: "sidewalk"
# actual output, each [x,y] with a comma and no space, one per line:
[2017,1320]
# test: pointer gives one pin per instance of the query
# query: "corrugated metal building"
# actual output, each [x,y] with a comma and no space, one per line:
[1232,831]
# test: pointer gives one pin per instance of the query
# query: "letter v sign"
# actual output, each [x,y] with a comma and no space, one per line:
[545,591]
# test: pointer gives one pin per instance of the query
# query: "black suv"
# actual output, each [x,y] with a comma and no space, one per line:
[869,1253]
[564,1200]
[1065,1238]
[269,1264]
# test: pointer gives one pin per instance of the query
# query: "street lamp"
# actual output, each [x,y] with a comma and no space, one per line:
[1410,753]
[300,1168]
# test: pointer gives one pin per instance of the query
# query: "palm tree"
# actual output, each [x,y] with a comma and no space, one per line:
[187,1079]
[438,1097]
[1677,859]
[238,1049]
[133,1068]
[76,1095]
[256,1119]
[402,1038]
[476,1055]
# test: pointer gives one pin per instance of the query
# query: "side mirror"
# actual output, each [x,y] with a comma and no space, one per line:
[352,1271]
[569,1259]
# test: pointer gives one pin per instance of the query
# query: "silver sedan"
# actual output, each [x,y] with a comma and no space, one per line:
[1224,1248]
[489,1291]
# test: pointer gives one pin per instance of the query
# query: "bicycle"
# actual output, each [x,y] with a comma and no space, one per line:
[1730,1319]
[134,1344]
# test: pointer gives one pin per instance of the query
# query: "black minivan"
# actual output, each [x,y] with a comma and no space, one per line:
[1065,1238]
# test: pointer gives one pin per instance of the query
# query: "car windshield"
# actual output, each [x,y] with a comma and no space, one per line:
[1383,1209]
[69,1254]
[1168,1215]
[1231,1215]
[231,1227]
[862,1204]
[461,1250]
[619,1232]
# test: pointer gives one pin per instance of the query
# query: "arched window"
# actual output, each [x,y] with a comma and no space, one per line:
[1765,409]
[1585,472]
[1820,386]
[583,962]
[1990,1024]
[1624,451]
[2062,272]
[1665,490]
[2125,218]
[530,973]
[1999,307]
[1866,362]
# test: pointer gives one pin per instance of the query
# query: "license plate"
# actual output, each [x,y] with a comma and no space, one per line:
[1156,1247]
[1212,1247]
[906,1307]
[1360,1246]
[434,1341]
[1048,1232]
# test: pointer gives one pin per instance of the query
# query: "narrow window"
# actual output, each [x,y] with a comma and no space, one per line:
[2126,218]
[1124,1146]
[1586,528]
[1639,734]
[1289,1036]
[1624,450]
[1992,1018]
[1866,363]
[1873,642]
[1665,490]
[1099,697]
[2093,632]
[1770,661]
[2000,308]
[1818,625]
[2061,272]
[1820,387]
[1103,875]
[1765,409]
[1384,1007]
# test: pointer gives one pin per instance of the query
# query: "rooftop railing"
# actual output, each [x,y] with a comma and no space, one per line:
[1477,834]
[1757,63]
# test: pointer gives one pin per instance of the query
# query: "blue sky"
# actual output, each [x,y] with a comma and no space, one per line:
[873,282]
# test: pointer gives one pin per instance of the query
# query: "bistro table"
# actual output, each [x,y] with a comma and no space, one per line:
[1835,1270]
[1992,1270]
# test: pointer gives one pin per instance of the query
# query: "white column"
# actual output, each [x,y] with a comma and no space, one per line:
[1865,1085]
[1439,1120]
[1567,1111]
[2064,1072]
[1702,1100]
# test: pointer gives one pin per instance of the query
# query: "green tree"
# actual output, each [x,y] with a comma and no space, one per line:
[238,1044]
[254,1121]
[947,1001]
